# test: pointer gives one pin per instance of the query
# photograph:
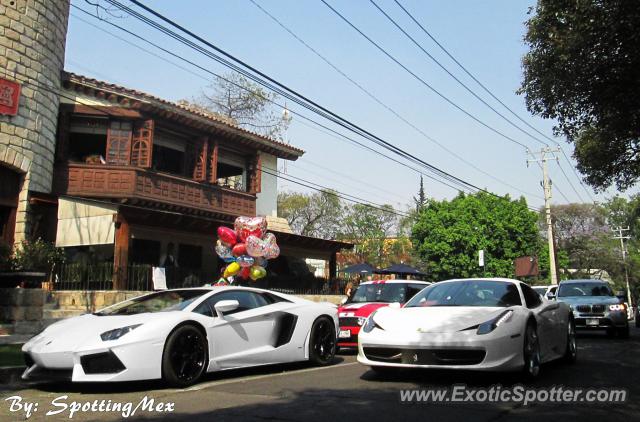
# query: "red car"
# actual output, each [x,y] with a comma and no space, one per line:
[368,297]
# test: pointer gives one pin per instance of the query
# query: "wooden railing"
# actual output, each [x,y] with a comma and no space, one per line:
[104,181]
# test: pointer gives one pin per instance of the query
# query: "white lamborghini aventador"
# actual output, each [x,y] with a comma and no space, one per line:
[178,335]
[475,324]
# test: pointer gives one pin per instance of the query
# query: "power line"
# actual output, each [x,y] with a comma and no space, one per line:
[488,91]
[346,125]
[293,179]
[564,154]
[421,80]
[380,102]
[569,181]
[283,90]
[448,72]
[334,132]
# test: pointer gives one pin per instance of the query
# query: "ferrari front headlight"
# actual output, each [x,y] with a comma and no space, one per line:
[489,326]
[118,332]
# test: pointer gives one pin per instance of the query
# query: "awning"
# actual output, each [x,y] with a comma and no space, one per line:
[84,223]
[363,268]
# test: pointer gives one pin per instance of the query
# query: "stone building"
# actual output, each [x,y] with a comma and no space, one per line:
[32,48]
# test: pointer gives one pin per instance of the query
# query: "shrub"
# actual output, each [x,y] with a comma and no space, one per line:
[36,255]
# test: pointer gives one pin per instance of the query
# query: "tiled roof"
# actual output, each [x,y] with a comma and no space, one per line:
[220,122]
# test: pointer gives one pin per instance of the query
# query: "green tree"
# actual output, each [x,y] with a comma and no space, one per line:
[370,229]
[421,199]
[582,235]
[245,103]
[318,214]
[582,70]
[448,235]
[622,212]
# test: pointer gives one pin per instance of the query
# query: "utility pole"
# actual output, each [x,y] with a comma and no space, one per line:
[622,238]
[546,154]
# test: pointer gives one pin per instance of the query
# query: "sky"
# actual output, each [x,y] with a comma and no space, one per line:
[484,35]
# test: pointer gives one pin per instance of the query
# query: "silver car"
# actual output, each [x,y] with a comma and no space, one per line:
[595,306]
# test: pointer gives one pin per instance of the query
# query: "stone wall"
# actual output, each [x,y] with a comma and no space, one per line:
[22,310]
[32,46]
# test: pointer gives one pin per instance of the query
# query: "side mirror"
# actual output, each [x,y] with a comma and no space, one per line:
[551,296]
[226,306]
[395,305]
[343,300]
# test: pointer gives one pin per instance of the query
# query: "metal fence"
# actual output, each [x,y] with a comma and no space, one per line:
[139,278]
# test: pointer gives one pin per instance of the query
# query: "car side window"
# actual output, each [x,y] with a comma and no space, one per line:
[204,309]
[414,289]
[532,299]
[247,300]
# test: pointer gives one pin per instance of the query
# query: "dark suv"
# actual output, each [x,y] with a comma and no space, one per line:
[595,306]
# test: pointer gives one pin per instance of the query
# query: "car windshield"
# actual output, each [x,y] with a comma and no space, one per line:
[468,293]
[380,292]
[173,300]
[574,289]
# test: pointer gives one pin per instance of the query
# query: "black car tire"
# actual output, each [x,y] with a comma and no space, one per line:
[186,356]
[322,341]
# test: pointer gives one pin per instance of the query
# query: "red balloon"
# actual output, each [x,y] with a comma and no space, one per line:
[227,235]
[239,249]
[245,272]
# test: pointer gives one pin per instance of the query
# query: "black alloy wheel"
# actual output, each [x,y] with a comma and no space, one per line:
[185,356]
[322,343]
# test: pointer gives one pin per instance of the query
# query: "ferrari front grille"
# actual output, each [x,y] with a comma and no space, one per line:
[101,363]
[425,356]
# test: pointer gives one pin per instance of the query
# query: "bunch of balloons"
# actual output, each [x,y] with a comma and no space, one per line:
[246,248]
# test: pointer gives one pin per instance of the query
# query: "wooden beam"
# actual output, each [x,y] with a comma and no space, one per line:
[121,252]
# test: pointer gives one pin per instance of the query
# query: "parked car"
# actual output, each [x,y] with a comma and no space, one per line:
[178,335]
[368,297]
[594,306]
[548,291]
[471,324]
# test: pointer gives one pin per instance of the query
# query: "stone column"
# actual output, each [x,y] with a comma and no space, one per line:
[32,45]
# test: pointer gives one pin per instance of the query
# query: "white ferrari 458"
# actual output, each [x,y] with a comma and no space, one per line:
[475,324]
[180,334]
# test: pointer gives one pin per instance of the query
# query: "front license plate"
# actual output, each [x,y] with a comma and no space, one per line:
[593,321]
[344,334]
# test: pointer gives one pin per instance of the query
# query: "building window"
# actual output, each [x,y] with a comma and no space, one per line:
[231,176]
[119,143]
[168,160]
[87,140]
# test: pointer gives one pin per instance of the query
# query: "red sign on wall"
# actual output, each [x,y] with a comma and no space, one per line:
[9,95]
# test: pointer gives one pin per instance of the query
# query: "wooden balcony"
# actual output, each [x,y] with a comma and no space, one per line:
[143,187]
